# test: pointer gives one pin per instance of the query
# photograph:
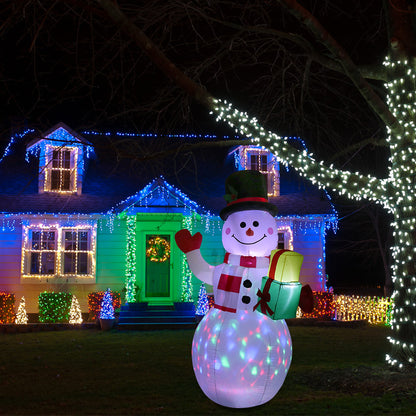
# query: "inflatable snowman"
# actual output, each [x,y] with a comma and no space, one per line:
[240,356]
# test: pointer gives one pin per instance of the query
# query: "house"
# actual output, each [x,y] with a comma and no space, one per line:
[74,220]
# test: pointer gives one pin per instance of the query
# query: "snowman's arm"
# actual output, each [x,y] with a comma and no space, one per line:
[199,267]
[190,245]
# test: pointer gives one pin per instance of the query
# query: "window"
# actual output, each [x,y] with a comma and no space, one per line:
[55,252]
[280,241]
[60,169]
[76,252]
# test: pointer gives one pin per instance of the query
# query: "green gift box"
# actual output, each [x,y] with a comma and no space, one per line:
[278,300]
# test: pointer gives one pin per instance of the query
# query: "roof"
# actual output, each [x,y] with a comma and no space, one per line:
[110,180]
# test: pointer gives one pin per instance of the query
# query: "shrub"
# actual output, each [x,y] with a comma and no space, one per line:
[54,306]
[7,307]
[324,306]
[94,303]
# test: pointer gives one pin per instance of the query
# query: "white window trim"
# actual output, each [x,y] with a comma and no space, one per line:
[47,178]
[288,235]
[59,276]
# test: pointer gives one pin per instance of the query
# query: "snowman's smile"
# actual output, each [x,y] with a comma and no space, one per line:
[248,244]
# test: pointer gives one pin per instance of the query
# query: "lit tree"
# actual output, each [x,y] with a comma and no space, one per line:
[107,308]
[75,316]
[394,192]
[21,316]
[202,307]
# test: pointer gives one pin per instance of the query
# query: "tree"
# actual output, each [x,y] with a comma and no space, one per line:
[21,316]
[394,192]
[202,307]
[75,316]
[107,308]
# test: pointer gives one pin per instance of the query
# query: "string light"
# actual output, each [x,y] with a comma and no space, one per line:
[7,308]
[131,259]
[54,306]
[107,308]
[21,315]
[94,303]
[75,316]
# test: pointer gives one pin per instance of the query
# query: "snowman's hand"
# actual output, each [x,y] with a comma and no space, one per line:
[187,242]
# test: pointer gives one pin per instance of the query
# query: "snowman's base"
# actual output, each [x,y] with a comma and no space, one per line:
[241,359]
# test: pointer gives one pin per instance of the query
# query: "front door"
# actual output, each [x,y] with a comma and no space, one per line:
[158,263]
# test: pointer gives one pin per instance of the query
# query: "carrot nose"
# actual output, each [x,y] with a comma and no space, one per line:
[249,232]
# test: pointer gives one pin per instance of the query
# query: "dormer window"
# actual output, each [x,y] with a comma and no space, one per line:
[60,169]
[260,159]
[62,155]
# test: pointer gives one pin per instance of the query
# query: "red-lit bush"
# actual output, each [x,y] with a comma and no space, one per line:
[7,308]
[324,306]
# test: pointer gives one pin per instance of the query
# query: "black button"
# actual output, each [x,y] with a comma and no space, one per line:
[247,283]
[246,299]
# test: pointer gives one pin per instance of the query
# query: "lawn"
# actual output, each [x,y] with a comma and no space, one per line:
[336,371]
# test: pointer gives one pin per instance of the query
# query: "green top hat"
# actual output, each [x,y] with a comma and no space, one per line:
[246,190]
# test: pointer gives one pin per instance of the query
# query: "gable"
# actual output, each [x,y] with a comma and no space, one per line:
[160,197]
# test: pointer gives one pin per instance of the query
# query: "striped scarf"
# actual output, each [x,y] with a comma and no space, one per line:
[235,268]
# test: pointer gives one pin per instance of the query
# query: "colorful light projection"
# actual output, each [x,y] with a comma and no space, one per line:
[252,357]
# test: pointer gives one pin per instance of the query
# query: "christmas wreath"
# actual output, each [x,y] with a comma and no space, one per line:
[158,250]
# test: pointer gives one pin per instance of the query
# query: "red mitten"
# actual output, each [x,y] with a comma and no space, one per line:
[306,299]
[187,242]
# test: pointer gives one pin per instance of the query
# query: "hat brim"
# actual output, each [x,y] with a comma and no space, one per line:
[247,206]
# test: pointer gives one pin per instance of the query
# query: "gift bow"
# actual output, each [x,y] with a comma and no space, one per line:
[264,298]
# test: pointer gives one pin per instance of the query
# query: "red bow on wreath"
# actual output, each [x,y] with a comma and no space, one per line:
[264,299]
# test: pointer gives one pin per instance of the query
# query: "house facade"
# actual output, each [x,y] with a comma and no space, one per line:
[66,226]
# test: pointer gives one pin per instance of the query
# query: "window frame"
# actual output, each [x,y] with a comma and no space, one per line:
[56,166]
[80,251]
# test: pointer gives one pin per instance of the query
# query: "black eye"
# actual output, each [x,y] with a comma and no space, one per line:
[255,223]
[242,224]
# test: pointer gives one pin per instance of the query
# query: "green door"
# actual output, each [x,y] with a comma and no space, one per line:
[157,266]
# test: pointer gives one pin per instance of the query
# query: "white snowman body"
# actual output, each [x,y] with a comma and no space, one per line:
[240,357]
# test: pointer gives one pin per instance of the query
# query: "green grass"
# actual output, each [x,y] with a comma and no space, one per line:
[336,371]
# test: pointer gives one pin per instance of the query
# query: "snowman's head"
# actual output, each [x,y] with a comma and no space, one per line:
[250,233]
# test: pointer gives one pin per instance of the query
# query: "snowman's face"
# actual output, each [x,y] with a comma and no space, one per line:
[250,233]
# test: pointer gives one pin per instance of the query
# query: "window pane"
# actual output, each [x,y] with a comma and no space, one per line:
[36,240]
[49,240]
[66,159]
[253,162]
[55,179]
[69,263]
[47,263]
[82,263]
[66,180]
[70,240]
[55,159]
[263,163]
[34,263]
[83,240]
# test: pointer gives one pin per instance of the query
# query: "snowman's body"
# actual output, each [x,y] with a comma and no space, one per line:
[240,357]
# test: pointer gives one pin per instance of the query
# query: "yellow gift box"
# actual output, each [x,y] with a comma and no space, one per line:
[285,266]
